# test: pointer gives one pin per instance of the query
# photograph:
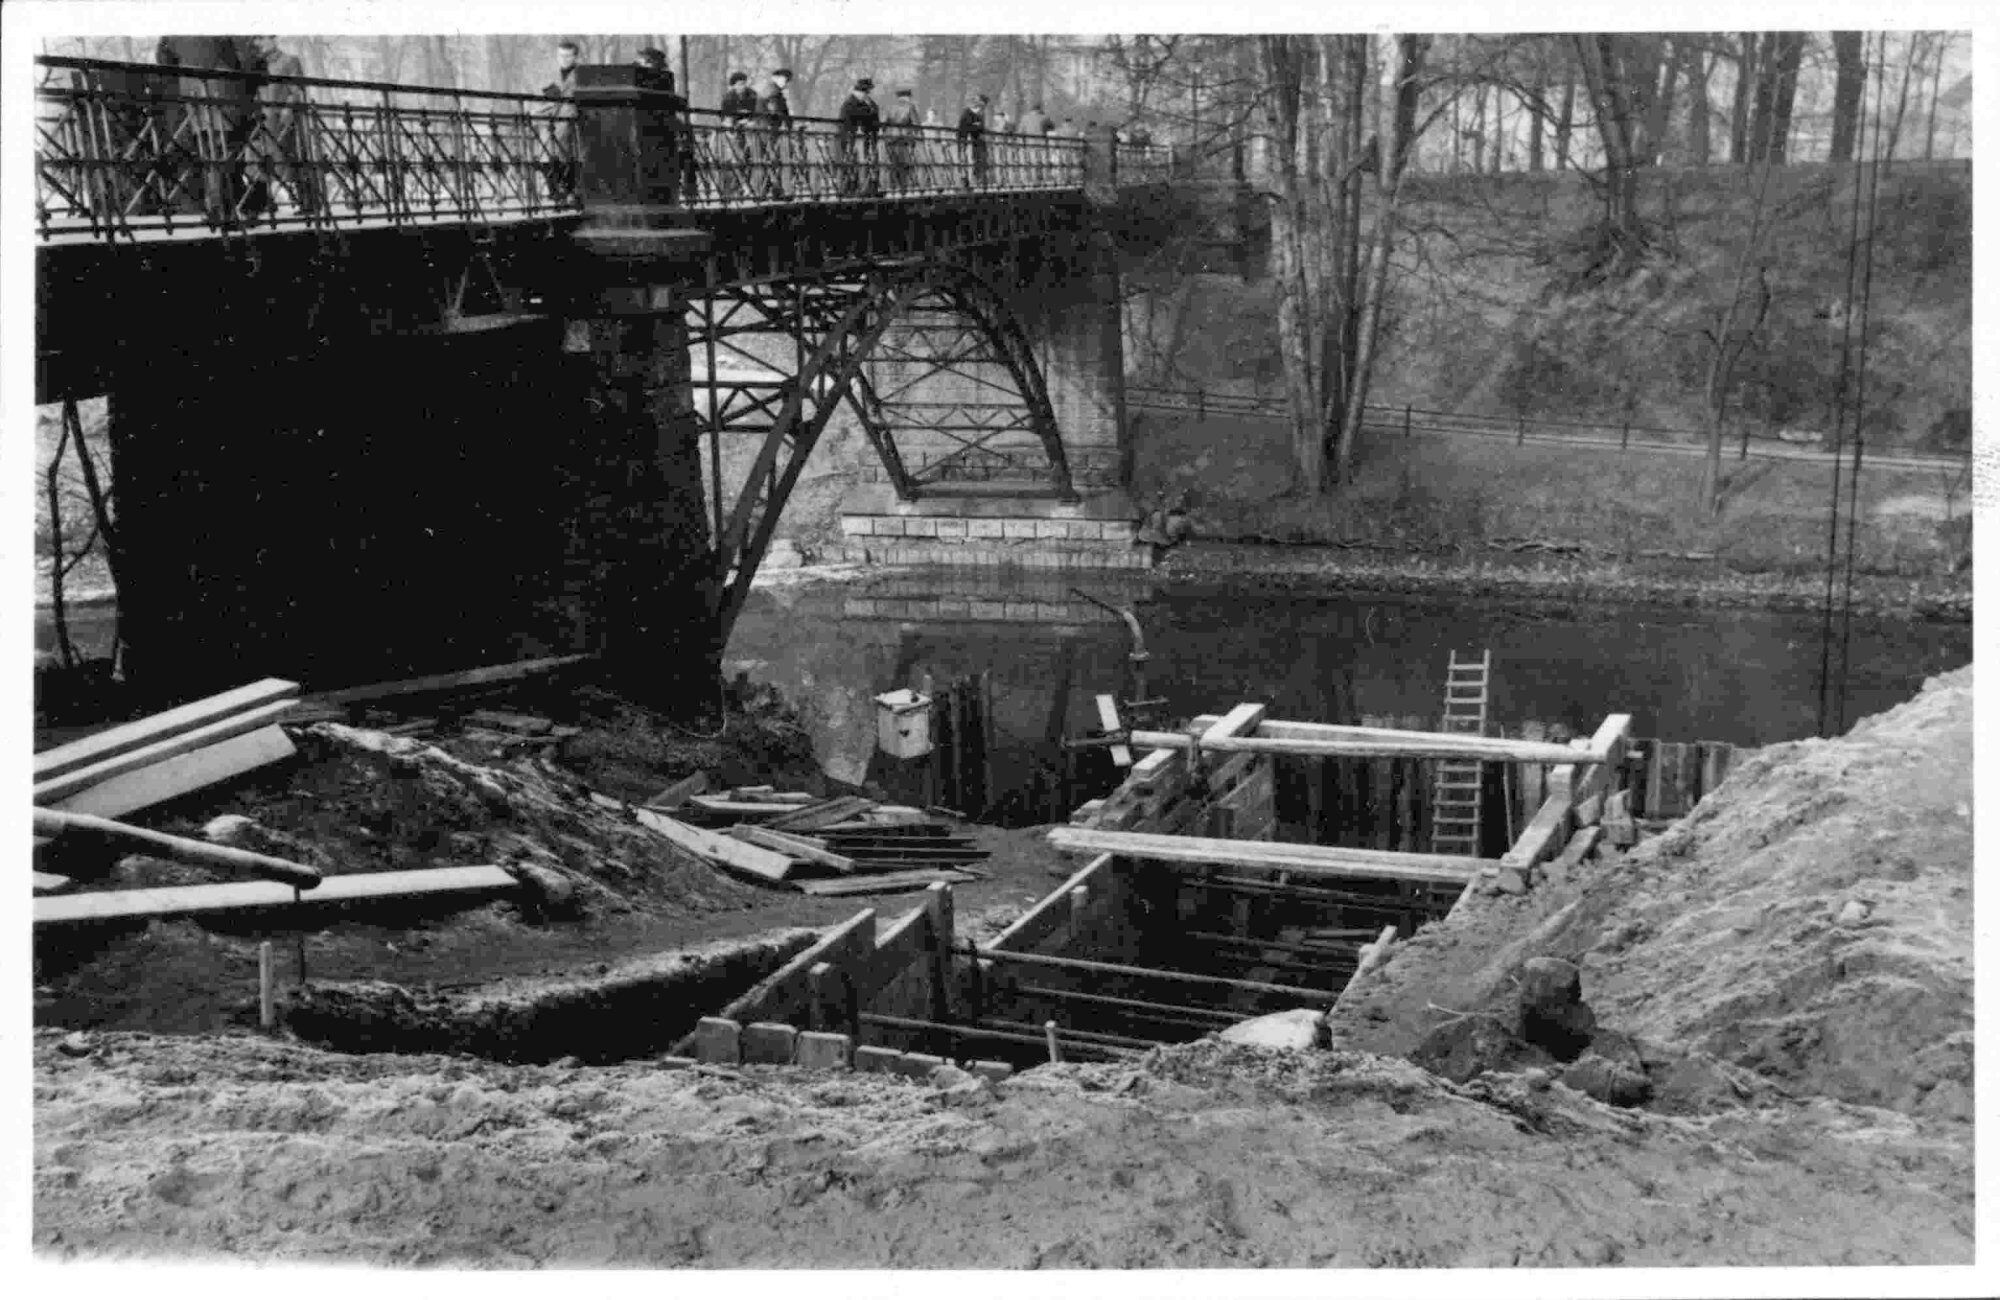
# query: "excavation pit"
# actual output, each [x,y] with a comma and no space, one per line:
[633,1010]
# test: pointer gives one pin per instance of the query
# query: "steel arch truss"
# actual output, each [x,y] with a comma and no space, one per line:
[776,360]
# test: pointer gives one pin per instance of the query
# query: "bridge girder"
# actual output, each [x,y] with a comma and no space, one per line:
[836,327]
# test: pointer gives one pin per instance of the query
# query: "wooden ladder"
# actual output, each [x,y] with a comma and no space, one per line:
[1455,801]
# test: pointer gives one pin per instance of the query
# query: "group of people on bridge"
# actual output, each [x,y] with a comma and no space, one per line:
[230,129]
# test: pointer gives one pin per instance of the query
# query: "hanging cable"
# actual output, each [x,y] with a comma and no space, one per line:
[1879,162]
[1839,446]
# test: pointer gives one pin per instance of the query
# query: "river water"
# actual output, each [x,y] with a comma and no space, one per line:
[1744,677]
[1741,676]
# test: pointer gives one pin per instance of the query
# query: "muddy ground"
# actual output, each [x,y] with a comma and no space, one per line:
[1806,1065]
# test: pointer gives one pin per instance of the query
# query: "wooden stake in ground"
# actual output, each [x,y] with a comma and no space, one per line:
[267,993]
[1055,1048]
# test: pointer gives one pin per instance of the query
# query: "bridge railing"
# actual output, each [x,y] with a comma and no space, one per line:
[129,150]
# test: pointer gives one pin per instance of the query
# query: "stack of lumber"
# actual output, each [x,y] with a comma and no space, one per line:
[138,764]
[845,845]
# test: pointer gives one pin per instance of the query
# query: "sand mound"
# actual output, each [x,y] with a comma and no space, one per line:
[1813,920]
[1809,922]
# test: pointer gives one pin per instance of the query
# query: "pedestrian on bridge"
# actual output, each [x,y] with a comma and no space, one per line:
[775,140]
[284,140]
[560,138]
[901,120]
[972,141]
[209,126]
[855,137]
[739,105]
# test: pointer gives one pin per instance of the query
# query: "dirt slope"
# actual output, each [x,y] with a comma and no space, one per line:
[1209,1156]
[1811,921]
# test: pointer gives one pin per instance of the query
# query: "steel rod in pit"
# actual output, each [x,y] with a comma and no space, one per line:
[1181,1012]
[1137,972]
[1308,893]
[1082,1037]
[1036,1039]
[1349,950]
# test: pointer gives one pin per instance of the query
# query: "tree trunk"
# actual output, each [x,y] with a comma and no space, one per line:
[1849,78]
[1612,108]
[1535,124]
[1292,229]
[1739,112]
[1699,66]
[1791,49]
[1564,118]
[1402,68]
[1658,78]
[1902,92]
[1937,75]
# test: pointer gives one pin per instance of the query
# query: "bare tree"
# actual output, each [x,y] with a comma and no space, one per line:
[1850,79]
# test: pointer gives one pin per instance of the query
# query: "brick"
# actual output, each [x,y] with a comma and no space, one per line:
[878,1059]
[1051,528]
[994,1070]
[825,1051]
[1019,611]
[919,526]
[766,1043]
[718,1041]
[1019,527]
[856,525]
[954,607]
[992,609]
[889,526]
[951,528]
[917,1065]
[984,528]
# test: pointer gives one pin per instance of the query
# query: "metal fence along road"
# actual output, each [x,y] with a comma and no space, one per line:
[1411,420]
[135,150]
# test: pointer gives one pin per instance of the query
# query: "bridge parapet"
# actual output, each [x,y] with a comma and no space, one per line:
[136,151]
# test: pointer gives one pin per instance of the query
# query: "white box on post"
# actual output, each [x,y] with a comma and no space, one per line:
[903,724]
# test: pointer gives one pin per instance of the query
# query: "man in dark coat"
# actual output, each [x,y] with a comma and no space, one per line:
[972,138]
[560,170]
[739,105]
[210,126]
[775,112]
[281,141]
[901,120]
[855,137]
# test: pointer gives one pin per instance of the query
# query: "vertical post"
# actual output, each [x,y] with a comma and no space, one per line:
[1520,429]
[1625,435]
[267,992]
[938,904]
[985,741]
[1055,1048]
[1406,422]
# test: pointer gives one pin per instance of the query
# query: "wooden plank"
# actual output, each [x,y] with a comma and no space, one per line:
[1107,720]
[791,847]
[1052,913]
[1239,721]
[827,812]
[448,681]
[47,882]
[182,774]
[785,994]
[1305,859]
[60,826]
[1410,744]
[1715,760]
[1372,957]
[899,947]
[723,806]
[1139,972]
[680,791]
[54,790]
[103,745]
[470,883]
[717,849]
[1548,829]
[886,882]
[1659,789]
[526,724]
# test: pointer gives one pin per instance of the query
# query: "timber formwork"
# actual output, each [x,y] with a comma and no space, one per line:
[1187,917]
